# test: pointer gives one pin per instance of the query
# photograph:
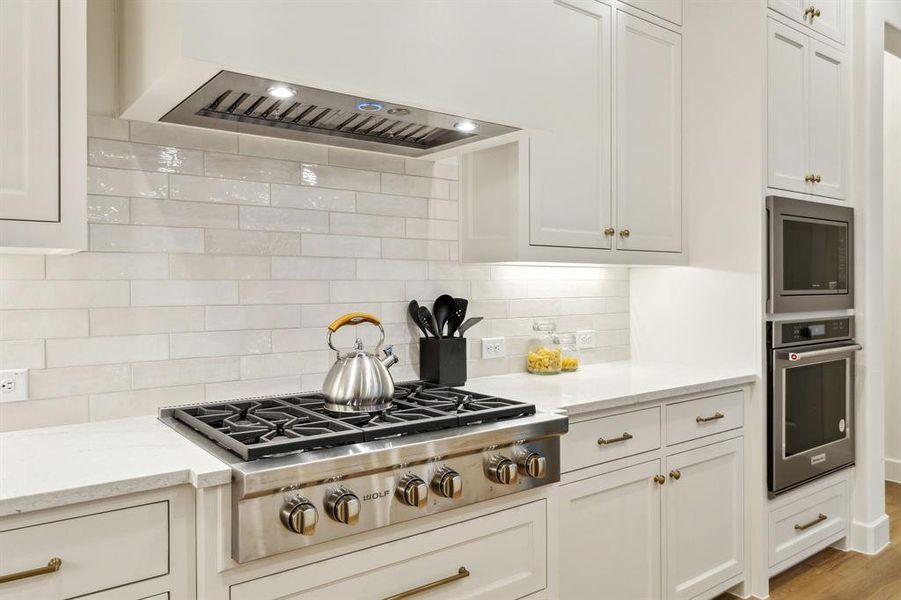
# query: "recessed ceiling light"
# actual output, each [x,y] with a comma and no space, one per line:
[280,91]
[369,106]
[465,126]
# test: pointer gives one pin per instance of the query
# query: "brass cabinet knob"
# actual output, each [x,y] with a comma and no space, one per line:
[809,178]
[609,231]
[812,11]
[675,474]
[817,179]
[625,233]
[300,516]
[659,479]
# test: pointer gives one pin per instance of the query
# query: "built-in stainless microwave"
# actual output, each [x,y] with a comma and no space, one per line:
[811,256]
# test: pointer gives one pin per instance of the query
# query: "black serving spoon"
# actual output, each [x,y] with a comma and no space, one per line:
[443,309]
[458,316]
[414,315]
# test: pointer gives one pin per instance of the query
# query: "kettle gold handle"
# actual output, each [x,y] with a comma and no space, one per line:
[354,318]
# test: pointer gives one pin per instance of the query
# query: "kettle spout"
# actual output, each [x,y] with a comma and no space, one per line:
[391,358]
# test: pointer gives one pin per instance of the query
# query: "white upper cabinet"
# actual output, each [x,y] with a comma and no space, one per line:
[824,16]
[570,162]
[42,125]
[807,104]
[670,10]
[703,516]
[648,136]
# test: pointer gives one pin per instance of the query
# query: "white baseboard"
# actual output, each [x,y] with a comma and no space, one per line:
[893,469]
[870,538]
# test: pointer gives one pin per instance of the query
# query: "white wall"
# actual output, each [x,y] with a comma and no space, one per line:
[892,232]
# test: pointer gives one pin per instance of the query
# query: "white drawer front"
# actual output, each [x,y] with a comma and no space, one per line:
[693,419]
[601,440]
[97,551]
[503,553]
[807,521]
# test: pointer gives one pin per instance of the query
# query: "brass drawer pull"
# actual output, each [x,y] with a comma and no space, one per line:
[52,567]
[461,573]
[609,231]
[819,519]
[659,479]
[625,436]
[675,474]
[625,233]
[716,415]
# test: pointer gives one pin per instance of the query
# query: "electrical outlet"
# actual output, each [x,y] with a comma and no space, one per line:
[493,347]
[586,338]
[13,385]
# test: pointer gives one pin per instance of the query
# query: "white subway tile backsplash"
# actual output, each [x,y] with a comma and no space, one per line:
[150,319]
[219,343]
[265,243]
[232,166]
[313,198]
[386,204]
[216,266]
[284,219]
[217,260]
[108,265]
[283,292]
[147,211]
[74,352]
[339,178]
[143,157]
[182,293]
[287,267]
[131,238]
[62,294]
[107,209]
[120,182]
[356,224]
[228,191]
[184,371]
[340,246]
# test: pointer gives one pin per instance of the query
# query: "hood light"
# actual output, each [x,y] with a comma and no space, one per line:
[369,106]
[465,126]
[280,91]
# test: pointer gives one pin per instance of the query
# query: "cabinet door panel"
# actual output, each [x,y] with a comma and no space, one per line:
[793,9]
[831,21]
[787,119]
[648,136]
[29,97]
[827,120]
[610,535]
[704,518]
[570,162]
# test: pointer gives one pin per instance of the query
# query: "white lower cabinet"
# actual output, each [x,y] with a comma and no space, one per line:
[610,535]
[703,515]
[498,556]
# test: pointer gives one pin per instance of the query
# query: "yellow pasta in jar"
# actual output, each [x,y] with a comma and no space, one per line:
[544,360]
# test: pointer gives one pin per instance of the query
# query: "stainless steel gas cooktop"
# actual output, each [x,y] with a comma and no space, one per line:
[303,475]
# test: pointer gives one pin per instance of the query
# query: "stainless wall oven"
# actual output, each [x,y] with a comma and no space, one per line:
[810,399]
[811,256]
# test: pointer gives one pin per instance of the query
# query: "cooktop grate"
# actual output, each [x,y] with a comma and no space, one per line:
[256,427]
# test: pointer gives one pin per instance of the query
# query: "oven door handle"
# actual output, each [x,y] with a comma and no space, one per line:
[786,354]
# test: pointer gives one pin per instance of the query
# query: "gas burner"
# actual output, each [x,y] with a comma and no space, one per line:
[258,427]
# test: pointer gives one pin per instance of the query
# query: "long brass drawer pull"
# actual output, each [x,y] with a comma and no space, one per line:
[461,573]
[52,567]
[716,415]
[625,436]
[819,519]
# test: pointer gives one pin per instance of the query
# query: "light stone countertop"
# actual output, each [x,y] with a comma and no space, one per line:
[57,466]
[608,385]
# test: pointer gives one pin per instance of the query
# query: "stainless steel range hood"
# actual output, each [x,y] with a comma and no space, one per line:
[259,106]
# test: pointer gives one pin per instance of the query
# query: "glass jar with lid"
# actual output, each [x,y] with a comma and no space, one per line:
[569,352]
[544,349]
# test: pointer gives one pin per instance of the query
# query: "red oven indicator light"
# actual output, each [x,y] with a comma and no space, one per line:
[792,356]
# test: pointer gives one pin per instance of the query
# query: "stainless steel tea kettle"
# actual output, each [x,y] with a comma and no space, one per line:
[359,381]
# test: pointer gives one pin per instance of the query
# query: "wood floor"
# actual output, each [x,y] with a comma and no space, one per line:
[836,575]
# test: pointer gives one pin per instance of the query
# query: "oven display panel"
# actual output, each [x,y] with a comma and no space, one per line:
[809,331]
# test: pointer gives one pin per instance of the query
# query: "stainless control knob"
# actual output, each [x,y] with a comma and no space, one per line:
[300,516]
[533,465]
[343,506]
[448,483]
[501,469]
[413,491]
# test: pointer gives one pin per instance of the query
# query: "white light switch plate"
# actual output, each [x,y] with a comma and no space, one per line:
[586,338]
[493,347]
[14,385]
